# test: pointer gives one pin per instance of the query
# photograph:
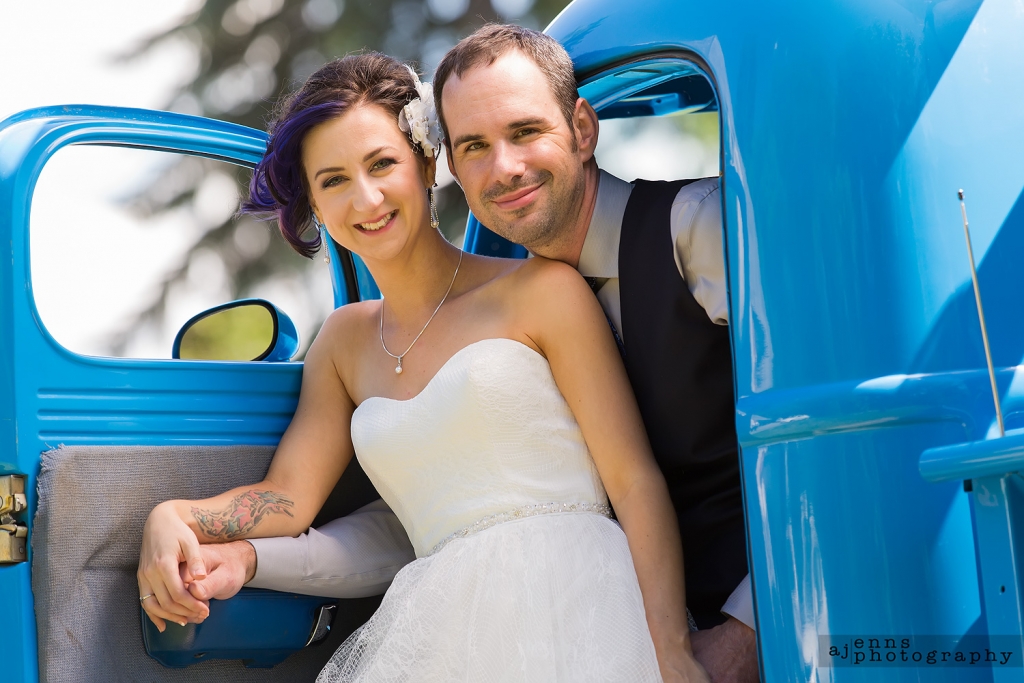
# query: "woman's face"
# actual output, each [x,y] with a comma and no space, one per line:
[366,183]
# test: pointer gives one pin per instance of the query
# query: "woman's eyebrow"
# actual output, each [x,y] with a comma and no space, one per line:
[377,151]
[330,169]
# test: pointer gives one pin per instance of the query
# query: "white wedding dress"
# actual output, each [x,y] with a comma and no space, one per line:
[520,574]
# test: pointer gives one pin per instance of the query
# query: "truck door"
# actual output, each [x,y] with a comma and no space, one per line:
[123,422]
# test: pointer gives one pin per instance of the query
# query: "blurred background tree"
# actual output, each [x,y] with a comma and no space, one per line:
[250,52]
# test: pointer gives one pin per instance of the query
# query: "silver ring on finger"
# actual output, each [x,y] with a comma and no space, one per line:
[143,598]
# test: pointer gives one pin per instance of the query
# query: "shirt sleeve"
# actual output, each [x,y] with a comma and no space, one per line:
[740,604]
[351,557]
[696,225]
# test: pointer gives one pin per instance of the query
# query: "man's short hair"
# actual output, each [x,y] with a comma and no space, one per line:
[491,41]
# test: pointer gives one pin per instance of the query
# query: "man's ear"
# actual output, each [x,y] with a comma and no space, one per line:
[587,128]
[451,165]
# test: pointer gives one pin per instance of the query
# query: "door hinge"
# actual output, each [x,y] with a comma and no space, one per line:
[13,532]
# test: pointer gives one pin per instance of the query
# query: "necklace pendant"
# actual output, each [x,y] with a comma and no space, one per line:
[398,368]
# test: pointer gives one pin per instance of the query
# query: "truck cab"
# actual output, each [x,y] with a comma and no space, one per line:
[881,503]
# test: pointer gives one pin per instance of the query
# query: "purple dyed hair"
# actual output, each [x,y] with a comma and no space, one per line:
[278,185]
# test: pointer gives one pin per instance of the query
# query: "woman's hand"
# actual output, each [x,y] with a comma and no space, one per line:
[681,667]
[312,454]
[167,542]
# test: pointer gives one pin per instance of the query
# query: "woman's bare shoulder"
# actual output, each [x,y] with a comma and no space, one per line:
[541,290]
[351,317]
[490,268]
[346,329]
[541,275]
[525,273]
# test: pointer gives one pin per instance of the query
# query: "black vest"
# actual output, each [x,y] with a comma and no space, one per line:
[680,366]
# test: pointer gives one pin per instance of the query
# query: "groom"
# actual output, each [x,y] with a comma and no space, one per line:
[521,142]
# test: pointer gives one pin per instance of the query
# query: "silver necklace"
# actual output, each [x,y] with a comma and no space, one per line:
[398,368]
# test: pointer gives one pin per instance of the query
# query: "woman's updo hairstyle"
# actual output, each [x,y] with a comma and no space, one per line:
[279,181]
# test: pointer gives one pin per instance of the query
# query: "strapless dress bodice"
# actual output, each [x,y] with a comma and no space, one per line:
[502,591]
[489,439]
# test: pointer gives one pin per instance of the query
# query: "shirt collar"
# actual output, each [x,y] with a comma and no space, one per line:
[600,254]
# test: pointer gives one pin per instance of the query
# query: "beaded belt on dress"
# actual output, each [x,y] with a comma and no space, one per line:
[520,513]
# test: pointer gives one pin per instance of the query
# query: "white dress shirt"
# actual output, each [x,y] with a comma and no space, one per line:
[351,557]
[696,227]
[360,554]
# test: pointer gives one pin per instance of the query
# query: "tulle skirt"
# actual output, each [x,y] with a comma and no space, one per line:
[547,598]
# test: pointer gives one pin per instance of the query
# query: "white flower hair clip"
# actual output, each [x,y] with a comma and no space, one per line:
[418,119]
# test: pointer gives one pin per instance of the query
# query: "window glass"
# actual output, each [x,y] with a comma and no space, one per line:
[660,148]
[128,244]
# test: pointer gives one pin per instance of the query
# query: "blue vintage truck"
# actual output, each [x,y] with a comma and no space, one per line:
[883,505]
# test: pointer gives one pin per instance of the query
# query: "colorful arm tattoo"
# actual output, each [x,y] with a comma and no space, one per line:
[242,514]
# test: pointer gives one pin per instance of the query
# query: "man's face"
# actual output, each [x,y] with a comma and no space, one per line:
[513,151]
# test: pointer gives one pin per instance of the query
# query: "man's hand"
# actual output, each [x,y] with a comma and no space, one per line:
[728,652]
[229,566]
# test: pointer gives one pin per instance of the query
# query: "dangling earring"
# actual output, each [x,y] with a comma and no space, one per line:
[322,229]
[324,237]
[434,222]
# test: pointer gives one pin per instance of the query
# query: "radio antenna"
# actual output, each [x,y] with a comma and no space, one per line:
[981,318]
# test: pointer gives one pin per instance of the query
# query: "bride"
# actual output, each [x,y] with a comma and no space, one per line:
[485,399]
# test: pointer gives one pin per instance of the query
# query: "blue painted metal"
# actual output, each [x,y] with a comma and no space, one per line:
[257,626]
[847,129]
[974,459]
[480,240]
[367,287]
[998,504]
[337,283]
[652,87]
[286,342]
[50,396]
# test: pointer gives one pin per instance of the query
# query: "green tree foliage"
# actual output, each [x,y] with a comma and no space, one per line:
[251,52]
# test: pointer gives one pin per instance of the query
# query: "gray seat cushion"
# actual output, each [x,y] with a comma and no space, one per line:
[93,503]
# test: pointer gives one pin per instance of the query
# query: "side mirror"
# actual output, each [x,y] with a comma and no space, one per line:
[244,330]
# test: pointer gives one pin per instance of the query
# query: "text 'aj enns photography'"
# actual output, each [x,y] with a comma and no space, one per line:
[919,651]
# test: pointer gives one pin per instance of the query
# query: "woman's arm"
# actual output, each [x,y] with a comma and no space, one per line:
[564,319]
[309,460]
